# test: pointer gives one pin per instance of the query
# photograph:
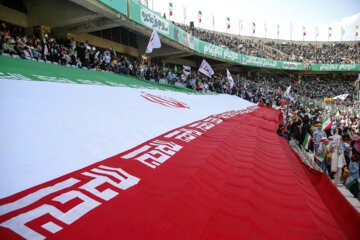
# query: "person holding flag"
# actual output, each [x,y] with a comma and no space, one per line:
[319,155]
[318,134]
[336,150]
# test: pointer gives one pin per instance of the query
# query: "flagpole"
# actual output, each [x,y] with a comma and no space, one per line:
[240,26]
[316,33]
[213,22]
[265,30]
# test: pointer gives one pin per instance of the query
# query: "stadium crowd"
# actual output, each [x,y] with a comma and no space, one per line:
[325,53]
[335,53]
[231,42]
[340,147]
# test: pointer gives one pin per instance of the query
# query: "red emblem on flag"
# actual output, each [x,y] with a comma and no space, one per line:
[165,101]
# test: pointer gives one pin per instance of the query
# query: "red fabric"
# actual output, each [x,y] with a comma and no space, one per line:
[236,180]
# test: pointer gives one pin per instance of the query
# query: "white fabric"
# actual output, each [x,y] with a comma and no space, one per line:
[206,69]
[229,77]
[341,97]
[287,93]
[51,129]
[154,42]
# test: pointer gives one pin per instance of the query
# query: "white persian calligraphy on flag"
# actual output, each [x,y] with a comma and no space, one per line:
[164,100]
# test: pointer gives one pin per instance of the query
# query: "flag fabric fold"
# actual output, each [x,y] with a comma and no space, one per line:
[154,42]
[341,97]
[229,77]
[206,69]
[186,70]
[326,124]
[287,93]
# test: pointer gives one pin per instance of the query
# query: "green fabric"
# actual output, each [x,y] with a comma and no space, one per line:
[19,69]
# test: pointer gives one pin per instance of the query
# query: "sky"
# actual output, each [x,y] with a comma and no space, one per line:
[301,13]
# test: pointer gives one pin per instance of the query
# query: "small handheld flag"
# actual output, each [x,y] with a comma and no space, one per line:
[307,141]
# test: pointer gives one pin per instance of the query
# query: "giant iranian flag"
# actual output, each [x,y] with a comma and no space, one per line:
[89,155]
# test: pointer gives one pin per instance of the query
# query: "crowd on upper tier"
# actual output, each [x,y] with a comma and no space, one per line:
[326,53]
[333,53]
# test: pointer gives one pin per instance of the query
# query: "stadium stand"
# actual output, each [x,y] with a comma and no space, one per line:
[314,85]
